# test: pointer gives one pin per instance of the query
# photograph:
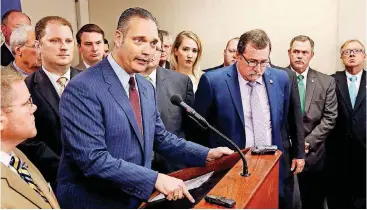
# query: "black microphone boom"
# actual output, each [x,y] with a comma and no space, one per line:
[177,100]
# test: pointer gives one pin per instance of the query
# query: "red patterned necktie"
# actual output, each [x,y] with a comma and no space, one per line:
[135,102]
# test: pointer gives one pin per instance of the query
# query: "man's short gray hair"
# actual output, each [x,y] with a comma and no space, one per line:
[19,36]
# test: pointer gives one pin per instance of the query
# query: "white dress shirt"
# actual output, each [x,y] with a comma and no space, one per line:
[54,77]
[5,158]
[85,64]
[357,82]
[263,96]
[305,73]
[123,76]
[153,77]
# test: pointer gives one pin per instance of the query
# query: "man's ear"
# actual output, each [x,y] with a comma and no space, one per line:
[118,39]
[17,50]
[3,29]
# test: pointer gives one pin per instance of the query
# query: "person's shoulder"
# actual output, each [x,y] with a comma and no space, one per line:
[220,72]
[214,68]
[338,74]
[324,77]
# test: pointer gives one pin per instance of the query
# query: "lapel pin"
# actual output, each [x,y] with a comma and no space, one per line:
[271,81]
[311,80]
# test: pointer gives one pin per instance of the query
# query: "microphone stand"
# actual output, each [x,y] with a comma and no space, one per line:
[206,125]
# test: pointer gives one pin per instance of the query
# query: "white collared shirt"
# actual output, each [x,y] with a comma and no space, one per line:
[25,74]
[5,158]
[85,64]
[246,106]
[123,76]
[305,73]
[153,77]
[357,82]
[54,77]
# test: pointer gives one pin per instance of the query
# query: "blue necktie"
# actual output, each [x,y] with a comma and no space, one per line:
[353,89]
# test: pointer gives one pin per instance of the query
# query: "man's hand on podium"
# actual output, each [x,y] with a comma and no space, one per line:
[218,152]
[172,187]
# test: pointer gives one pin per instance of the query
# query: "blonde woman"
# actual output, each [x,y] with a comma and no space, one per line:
[185,55]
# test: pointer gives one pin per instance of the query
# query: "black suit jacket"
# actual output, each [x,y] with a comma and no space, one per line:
[174,119]
[6,56]
[217,67]
[346,147]
[44,149]
[293,136]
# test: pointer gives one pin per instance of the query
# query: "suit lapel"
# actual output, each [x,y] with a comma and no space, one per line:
[344,91]
[234,89]
[145,103]
[47,90]
[362,91]
[160,88]
[16,183]
[273,95]
[310,87]
[118,93]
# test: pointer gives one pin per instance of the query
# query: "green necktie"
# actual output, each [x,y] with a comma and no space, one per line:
[302,92]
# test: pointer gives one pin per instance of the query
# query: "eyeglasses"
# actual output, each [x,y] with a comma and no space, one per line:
[355,51]
[28,103]
[255,63]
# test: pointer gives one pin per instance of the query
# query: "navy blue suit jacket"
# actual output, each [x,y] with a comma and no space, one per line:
[218,99]
[105,161]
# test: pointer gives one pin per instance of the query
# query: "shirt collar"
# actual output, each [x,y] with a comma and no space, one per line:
[85,64]
[20,70]
[359,75]
[54,77]
[153,76]
[304,74]
[5,158]
[123,76]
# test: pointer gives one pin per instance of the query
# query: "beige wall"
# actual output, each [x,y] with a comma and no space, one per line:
[328,22]
[37,9]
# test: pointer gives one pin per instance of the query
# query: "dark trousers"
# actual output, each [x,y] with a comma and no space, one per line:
[312,188]
[286,202]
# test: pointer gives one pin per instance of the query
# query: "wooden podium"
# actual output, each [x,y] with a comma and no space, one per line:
[260,190]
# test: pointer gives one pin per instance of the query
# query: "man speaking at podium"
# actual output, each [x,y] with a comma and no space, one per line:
[110,124]
[248,102]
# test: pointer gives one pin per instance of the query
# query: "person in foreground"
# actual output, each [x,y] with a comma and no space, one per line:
[110,124]
[22,185]
[248,101]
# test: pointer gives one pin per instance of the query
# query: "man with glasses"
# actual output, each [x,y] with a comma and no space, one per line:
[22,185]
[229,54]
[27,57]
[248,102]
[346,147]
[319,111]
[167,83]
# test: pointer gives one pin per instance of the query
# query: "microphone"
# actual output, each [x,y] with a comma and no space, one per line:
[177,100]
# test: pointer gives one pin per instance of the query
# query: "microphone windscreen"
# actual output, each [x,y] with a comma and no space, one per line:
[176,99]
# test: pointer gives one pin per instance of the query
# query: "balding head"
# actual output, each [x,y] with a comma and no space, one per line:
[12,19]
[230,52]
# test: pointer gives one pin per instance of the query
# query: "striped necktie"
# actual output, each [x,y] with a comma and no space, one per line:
[62,81]
[21,168]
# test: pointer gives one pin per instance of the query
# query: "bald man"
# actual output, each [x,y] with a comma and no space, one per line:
[9,21]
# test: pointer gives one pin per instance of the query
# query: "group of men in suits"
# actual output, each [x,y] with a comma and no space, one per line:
[310,116]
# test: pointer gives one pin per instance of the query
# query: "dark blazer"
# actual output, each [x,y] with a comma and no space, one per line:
[321,110]
[346,147]
[44,149]
[175,120]
[218,100]
[293,135]
[167,65]
[105,162]
[6,56]
[217,67]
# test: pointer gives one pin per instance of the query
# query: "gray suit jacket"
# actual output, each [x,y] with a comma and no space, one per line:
[174,119]
[80,66]
[321,110]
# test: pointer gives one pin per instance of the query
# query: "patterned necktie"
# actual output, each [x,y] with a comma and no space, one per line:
[353,89]
[302,92]
[257,116]
[135,102]
[21,168]
[62,81]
